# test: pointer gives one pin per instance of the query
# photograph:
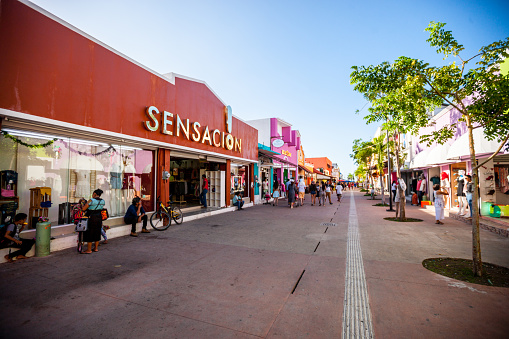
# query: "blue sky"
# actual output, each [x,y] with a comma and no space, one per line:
[286,59]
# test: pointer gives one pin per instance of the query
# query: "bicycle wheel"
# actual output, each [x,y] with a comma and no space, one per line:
[160,221]
[177,215]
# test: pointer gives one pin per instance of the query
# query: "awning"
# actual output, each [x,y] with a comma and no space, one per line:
[323,177]
[420,159]
[460,148]
[265,150]
[304,169]
[438,155]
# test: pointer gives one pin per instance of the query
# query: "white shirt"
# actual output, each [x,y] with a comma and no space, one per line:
[339,188]
[302,186]
[327,188]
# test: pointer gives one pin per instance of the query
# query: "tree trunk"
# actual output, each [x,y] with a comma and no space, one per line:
[476,237]
[382,188]
[402,196]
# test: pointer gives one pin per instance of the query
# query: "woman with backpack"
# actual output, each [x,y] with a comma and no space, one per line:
[92,210]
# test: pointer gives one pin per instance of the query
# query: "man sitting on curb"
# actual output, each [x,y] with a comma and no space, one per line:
[11,238]
[135,214]
[237,201]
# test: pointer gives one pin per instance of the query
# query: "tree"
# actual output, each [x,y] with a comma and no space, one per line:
[379,149]
[411,88]
[362,155]
[350,176]
[383,86]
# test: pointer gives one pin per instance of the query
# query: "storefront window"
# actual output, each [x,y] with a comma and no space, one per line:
[121,172]
[42,174]
[238,179]
[71,169]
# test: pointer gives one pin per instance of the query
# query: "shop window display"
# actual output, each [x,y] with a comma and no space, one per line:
[237,177]
[121,172]
[69,169]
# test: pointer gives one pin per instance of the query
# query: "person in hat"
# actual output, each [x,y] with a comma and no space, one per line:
[135,214]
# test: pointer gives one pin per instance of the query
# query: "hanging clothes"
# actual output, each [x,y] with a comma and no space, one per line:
[435,180]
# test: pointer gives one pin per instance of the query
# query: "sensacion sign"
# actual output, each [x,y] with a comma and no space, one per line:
[173,124]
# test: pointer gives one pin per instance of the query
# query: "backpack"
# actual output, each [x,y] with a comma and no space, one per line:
[77,213]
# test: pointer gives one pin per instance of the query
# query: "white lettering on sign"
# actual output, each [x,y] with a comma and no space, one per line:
[192,130]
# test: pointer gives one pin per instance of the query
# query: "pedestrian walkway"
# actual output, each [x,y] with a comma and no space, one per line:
[261,273]
[64,236]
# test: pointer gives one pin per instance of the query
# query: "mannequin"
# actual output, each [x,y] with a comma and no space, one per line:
[445,185]
[462,200]
[127,183]
[265,186]
[82,184]
[421,187]
[116,185]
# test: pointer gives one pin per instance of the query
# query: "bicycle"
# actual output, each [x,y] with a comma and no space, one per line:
[161,219]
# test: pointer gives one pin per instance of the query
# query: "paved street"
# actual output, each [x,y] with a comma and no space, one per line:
[232,276]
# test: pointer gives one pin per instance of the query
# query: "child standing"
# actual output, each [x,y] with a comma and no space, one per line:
[275,194]
[439,204]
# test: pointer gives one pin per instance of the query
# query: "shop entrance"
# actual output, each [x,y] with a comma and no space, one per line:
[185,180]
[458,172]
[265,177]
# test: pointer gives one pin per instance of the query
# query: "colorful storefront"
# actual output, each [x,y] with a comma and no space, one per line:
[448,164]
[77,115]
[279,136]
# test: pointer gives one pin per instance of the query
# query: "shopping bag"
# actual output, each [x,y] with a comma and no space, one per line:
[104,214]
[82,225]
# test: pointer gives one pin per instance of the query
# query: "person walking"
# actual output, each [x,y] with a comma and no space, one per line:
[328,193]
[11,238]
[393,189]
[339,192]
[92,210]
[312,190]
[275,194]
[302,190]
[205,190]
[319,193]
[439,204]
[291,193]
[135,214]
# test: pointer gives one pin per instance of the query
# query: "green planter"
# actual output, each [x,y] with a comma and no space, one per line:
[42,239]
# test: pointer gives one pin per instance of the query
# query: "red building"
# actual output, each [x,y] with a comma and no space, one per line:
[108,122]
[321,163]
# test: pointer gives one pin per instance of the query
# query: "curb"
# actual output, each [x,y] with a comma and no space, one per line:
[66,241]
[492,227]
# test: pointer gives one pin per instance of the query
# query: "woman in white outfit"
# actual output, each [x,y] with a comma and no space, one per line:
[439,204]
[397,197]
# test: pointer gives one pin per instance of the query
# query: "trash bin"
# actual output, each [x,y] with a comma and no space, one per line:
[42,239]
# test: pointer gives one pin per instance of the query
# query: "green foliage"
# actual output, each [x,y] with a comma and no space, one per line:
[442,40]
[402,93]
[32,146]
